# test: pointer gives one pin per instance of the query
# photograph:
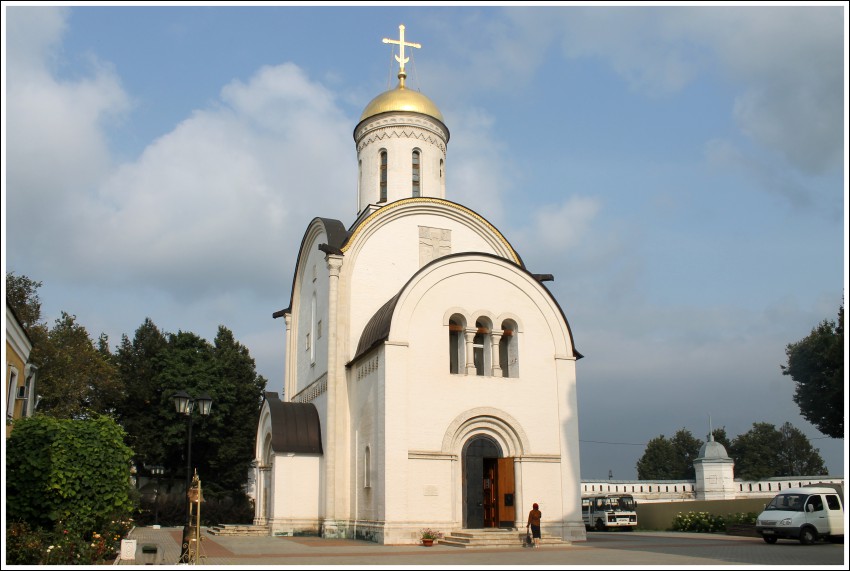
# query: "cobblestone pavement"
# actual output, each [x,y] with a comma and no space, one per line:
[655,549]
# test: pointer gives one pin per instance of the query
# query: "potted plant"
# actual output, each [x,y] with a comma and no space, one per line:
[428,536]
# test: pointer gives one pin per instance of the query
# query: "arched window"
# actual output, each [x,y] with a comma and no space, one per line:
[312,333]
[457,353]
[415,181]
[508,350]
[481,348]
[367,468]
[383,176]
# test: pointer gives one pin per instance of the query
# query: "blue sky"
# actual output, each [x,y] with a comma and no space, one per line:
[680,170]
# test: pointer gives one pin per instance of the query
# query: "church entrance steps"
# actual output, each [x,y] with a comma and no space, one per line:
[237,529]
[490,538]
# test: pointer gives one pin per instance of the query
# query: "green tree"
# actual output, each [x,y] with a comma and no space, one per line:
[223,442]
[796,456]
[74,471]
[238,397]
[22,295]
[657,460]
[816,364]
[671,459]
[686,448]
[766,452]
[143,409]
[186,363]
[754,452]
[75,377]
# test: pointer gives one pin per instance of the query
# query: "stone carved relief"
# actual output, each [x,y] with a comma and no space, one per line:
[433,243]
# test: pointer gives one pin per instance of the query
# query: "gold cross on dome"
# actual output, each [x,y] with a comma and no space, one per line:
[401,43]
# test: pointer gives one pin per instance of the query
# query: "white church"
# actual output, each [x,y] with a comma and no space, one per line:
[430,377]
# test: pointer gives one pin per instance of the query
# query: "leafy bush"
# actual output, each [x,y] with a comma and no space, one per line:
[748,518]
[701,522]
[68,494]
[76,471]
[704,522]
[24,545]
[63,545]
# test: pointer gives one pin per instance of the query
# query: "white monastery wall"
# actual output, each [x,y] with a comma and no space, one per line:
[685,490]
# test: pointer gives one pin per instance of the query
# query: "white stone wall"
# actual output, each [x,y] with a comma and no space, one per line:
[295,495]
[384,254]
[685,490]
[366,386]
[714,479]
[425,400]
[312,281]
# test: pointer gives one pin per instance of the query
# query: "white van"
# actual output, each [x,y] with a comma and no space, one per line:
[807,514]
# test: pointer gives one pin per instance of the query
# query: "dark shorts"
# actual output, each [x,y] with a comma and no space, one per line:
[535,531]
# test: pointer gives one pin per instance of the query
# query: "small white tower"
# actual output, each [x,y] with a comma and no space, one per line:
[714,472]
[401,144]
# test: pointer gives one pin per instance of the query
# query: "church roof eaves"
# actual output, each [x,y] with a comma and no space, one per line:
[337,236]
[295,426]
[377,329]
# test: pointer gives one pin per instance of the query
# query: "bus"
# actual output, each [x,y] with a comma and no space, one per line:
[609,511]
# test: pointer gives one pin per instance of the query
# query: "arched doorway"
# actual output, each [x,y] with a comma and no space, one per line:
[488,485]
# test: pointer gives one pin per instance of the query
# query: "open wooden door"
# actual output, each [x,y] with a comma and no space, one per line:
[506,508]
[490,498]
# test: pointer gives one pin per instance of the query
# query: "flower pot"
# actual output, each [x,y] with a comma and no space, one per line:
[427,542]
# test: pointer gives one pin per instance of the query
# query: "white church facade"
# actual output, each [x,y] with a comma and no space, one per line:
[430,377]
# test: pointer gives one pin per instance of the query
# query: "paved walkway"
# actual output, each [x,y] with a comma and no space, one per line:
[651,549]
[162,547]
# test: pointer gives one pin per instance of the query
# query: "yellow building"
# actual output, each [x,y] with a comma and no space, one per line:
[20,397]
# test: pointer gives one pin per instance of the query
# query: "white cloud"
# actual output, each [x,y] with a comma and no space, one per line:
[564,227]
[785,62]
[637,43]
[56,142]
[478,165]
[790,62]
[219,201]
[33,40]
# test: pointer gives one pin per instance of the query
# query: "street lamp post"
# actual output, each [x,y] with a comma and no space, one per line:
[185,404]
[157,471]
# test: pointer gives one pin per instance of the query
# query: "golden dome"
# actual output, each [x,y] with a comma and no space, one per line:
[401,99]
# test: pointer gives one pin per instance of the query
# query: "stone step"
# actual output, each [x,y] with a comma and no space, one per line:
[495,538]
[239,529]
